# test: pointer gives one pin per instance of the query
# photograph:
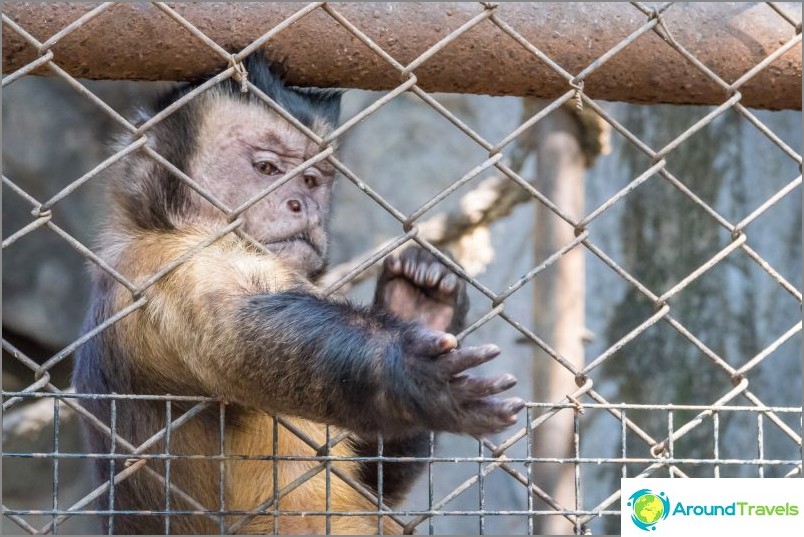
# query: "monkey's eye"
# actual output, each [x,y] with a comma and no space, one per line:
[311,180]
[266,168]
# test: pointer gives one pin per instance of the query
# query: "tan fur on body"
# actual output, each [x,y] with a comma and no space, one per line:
[176,342]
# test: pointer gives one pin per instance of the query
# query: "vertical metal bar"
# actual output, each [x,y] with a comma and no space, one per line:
[623,449]
[221,466]
[328,492]
[670,439]
[576,439]
[168,420]
[716,440]
[275,454]
[482,490]
[528,467]
[112,461]
[760,443]
[56,433]
[430,521]
[380,479]
[801,444]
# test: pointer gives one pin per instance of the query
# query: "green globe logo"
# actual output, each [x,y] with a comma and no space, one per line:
[648,508]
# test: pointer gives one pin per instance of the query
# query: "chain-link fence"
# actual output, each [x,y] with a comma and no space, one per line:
[513,454]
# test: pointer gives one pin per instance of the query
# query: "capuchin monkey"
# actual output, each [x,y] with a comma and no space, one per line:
[250,328]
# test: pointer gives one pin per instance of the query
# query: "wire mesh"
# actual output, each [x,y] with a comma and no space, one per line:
[658,457]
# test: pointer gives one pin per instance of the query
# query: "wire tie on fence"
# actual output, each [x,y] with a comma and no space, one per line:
[44,48]
[578,95]
[37,212]
[40,372]
[575,404]
[410,225]
[659,451]
[240,73]
[232,216]
[406,75]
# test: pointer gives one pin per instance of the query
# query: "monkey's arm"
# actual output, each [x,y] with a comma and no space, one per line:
[232,321]
[364,370]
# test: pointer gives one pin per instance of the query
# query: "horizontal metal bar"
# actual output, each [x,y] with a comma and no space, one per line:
[405,512]
[531,404]
[457,460]
[406,33]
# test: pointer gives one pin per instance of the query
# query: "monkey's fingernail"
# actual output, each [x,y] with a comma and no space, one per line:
[421,274]
[447,342]
[393,264]
[433,273]
[515,406]
[505,382]
[490,351]
[448,283]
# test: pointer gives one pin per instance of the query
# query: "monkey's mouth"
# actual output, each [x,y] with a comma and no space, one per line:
[302,238]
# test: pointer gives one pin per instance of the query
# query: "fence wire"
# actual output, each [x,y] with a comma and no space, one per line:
[126,459]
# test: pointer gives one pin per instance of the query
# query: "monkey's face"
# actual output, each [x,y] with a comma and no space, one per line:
[245,148]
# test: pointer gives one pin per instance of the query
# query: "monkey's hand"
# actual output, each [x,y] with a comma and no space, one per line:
[443,396]
[416,286]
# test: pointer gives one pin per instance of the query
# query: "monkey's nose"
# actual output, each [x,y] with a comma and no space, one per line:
[295,206]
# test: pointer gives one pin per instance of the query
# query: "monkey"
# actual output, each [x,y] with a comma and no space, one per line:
[245,324]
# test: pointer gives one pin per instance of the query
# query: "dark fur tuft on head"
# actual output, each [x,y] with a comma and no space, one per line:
[305,104]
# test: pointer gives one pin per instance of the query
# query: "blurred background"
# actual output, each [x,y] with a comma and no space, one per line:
[408,153]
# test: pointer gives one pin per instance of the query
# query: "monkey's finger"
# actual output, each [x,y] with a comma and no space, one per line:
[393,265]
[435,272]
[449,283]
[491,415]
[471,388]
[434,343]
[410,261]
[509,408]
[420,276]
[463,359]
[506,410]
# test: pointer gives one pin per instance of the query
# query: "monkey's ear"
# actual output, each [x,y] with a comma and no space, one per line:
[305,104]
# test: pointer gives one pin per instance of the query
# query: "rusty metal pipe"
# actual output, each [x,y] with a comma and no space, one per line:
[137,41]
